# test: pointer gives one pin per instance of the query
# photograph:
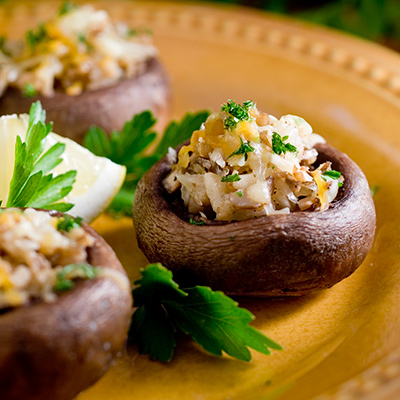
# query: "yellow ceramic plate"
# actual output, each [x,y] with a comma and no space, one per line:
[344,342]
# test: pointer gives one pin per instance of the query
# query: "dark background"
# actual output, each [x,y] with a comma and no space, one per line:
[377,20]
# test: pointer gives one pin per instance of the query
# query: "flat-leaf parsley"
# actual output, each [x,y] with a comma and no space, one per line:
[212,319]
[32,185]
[130,148]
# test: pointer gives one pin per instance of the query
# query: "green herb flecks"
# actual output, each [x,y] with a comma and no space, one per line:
[66,8]
[33,38]
[71,272]
[29,90]
[278,145]
[231,178]
[333,175]
[237,113]
[130,148]
[32,185]
[213,320]
[239,194]
[143,31]
[194,222]
[67,223]
[243,149]
[374,189]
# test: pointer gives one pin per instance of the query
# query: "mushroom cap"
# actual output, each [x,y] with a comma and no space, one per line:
[56,350]
[109,107]
[276,255]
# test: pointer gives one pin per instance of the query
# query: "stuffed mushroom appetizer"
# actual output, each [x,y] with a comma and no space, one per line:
[65,305]
[85,70]
[257,206]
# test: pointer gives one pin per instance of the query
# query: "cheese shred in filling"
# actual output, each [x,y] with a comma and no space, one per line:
[244,163]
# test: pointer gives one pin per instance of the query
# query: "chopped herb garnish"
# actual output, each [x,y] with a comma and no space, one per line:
[243,149]
[142,31]
[374,189]
[66,7]
[32,185]
[132,32]
[34,38]
[333,175]
[66,277]
[194,222]
[29,90]
[237,113]
[66,223]
[278,145]
[130,148]
[239,194]
[81,37]
[231,178]
[232,238]
[230,123]
[212,319]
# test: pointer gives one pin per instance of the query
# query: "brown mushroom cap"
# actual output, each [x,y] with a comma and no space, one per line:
[276,255]
[109,107]
[56,350]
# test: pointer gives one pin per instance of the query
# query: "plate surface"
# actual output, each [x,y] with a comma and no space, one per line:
[344,342]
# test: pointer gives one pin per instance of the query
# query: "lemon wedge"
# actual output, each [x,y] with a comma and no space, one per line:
[97,181]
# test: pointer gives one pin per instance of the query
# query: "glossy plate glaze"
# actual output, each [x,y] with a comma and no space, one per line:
[343,343]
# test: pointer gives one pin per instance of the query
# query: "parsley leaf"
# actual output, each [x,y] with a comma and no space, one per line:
[67,275]
[130,148]
[212,319]
[30,186]
[237,113]
[278,145]
[231,178]
[243,149]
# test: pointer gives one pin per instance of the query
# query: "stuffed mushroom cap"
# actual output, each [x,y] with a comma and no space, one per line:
[55,345]
[86,70]
[284,252]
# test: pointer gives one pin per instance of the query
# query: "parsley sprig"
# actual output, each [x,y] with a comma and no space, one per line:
[237,113]
[244,148]
[130,148]
[278,145]
[212,319]
[32,185]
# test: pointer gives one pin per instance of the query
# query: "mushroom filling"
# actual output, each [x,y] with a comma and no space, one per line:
[79,49]
[40,255]
[244,163]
